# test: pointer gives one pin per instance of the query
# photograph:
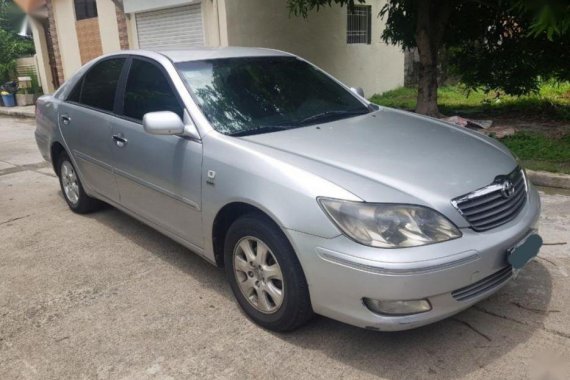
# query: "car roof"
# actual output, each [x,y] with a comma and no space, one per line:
[196,54]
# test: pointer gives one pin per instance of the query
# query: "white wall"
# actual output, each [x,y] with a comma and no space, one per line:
[133,6]
[213,17]
[320,39]
[64,15]
[40,43]
[108,27]
[132,31]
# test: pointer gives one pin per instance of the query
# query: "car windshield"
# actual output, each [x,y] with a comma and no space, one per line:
[251,95]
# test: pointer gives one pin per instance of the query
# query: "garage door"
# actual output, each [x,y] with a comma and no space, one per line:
[172,28]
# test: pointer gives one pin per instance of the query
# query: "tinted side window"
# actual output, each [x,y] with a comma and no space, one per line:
[75,94]
[148,90]
[100,84]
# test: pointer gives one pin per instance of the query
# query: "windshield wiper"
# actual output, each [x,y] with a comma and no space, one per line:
[262,129]
[306,121]
[329,114]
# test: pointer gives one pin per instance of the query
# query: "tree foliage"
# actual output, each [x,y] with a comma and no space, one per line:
[302,7]
[492,44]
[12,46]
[509,55]
[11,16]
[495,45]
[551,17]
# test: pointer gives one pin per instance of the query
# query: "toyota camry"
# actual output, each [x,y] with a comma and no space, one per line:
[311,198]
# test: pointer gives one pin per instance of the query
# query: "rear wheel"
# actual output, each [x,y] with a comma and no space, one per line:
[72,189]
[265,275]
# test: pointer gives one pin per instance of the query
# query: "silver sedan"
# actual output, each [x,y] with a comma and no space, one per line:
[313,199]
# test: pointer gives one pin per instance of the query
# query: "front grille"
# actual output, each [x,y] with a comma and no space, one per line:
[494,205]
[484,285]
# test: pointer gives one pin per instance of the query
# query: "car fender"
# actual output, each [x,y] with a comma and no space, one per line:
[234,172]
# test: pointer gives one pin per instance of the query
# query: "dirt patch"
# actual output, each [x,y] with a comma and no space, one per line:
[549,128]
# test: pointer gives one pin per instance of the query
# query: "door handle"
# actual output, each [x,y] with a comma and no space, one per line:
[120,140]
[65,119]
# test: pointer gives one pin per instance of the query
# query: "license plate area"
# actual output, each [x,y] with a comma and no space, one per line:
[522,253]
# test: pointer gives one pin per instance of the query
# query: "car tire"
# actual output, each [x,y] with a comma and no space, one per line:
[72,189]
[255,290]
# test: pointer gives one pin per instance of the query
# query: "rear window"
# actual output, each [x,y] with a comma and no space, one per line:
[98,87]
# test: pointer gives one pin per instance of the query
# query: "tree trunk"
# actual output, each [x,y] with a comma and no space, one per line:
[427,85]
[432,17]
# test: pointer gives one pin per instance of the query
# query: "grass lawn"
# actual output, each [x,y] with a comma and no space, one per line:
[552,102]
[536,150]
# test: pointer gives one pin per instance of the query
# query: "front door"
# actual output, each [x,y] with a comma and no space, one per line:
[85,120]
[159,177]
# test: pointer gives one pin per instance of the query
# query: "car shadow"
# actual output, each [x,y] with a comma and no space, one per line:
[164,248]
[451,348]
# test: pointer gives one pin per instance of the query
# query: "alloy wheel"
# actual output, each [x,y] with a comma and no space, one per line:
[258,275]
[69,182]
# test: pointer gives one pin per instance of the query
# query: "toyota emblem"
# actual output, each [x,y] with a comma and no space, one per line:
[507,189]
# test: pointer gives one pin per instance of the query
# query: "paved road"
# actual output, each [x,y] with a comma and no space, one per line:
[103,296]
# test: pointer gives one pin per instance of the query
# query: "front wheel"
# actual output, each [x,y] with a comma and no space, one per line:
[265,274]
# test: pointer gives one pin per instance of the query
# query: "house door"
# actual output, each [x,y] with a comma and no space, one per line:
[171,28]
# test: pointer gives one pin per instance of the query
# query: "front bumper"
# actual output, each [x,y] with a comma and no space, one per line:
[340,272]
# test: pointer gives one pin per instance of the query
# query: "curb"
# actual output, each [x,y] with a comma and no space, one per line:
[561,181]
[17,113]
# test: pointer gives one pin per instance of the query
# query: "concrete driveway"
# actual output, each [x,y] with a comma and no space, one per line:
[103,296]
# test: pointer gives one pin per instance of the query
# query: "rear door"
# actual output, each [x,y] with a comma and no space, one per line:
[159,177]
[85,120]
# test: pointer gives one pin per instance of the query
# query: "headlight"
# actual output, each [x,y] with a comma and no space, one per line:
[388,225]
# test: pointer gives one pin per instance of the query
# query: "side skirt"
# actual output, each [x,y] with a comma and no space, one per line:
[192,247]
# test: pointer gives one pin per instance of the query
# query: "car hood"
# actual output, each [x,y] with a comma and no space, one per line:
[422,157]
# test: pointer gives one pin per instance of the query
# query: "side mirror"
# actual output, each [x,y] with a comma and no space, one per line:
[358,91]
[163,123]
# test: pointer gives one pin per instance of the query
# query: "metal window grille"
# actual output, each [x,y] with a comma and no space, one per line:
[85,9]
[359,24]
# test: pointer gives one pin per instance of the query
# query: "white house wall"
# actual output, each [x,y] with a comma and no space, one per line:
[135,6]
[320,39]
[108,26]
[40,43]
[64,15]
